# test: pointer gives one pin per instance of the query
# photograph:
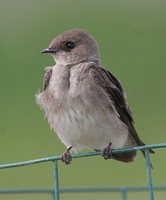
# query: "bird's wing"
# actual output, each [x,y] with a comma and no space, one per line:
[112,86]
[47,76]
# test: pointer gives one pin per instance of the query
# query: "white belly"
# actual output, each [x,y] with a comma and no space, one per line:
[83,131]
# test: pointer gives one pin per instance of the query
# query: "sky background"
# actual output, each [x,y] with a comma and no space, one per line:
[132,40]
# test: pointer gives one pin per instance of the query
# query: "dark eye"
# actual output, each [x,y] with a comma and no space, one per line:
[69,45]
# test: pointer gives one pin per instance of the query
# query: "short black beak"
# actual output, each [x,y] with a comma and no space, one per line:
[49,50]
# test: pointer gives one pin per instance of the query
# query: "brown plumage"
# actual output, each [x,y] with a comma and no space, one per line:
[85,103]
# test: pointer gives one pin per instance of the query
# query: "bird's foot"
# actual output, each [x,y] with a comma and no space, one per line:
[107,152]
[66,156]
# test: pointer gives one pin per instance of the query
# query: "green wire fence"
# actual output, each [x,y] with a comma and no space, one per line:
[56,191]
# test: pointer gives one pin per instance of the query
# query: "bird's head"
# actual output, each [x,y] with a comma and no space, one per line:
[72,47]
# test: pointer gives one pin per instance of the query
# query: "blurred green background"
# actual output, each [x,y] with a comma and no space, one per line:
[132,39]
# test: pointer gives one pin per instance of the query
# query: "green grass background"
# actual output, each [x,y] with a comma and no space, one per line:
[132,39]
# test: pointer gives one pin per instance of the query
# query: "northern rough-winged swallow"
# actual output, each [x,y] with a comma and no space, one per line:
[85,103]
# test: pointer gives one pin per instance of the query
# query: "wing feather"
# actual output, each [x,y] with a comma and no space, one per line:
[115,91]
[47,76]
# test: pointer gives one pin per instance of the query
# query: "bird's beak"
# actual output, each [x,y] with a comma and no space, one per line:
[49,50]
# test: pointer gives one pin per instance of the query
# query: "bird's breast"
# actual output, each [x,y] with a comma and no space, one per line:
[80,112]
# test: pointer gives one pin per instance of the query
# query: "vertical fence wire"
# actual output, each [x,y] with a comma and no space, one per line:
[149,174]
[124,195]
[56,181]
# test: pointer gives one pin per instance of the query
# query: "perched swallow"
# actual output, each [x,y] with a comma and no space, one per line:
[84,102]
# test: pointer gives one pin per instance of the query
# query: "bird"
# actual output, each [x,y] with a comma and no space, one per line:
[85,104]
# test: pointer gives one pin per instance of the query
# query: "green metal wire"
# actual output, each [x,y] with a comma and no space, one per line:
[56,180]
[80,155]
[149,173]
[124,195]
[56,191]
[83,190]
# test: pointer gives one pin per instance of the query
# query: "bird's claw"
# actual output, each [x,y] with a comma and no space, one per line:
[66,156]
[107,152]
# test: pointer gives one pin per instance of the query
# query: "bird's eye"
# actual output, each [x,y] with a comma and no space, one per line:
[69,45]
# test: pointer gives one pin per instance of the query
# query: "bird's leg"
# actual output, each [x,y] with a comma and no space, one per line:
[66,156]
[107,152]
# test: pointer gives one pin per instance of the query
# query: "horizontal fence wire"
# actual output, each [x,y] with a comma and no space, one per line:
[56,191]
